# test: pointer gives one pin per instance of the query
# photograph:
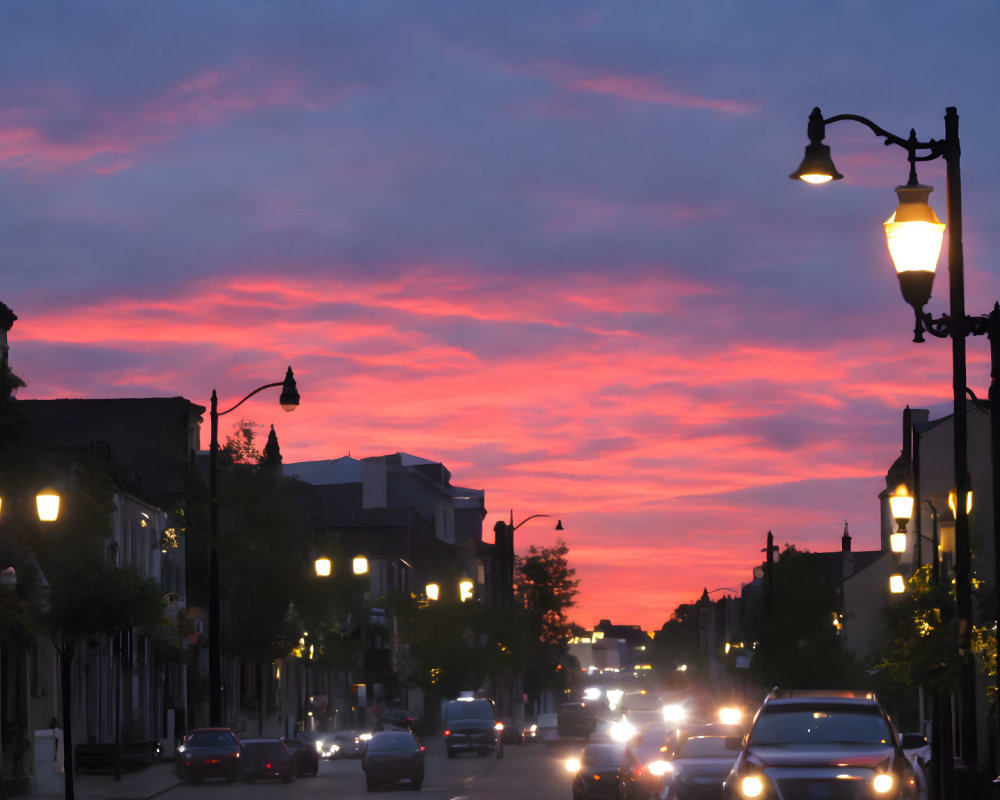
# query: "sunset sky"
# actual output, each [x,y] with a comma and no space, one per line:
[552,245]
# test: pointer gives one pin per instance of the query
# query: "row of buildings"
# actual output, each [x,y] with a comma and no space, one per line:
[399,513]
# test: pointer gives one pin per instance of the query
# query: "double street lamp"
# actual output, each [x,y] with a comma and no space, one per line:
[289,401]
[914,236]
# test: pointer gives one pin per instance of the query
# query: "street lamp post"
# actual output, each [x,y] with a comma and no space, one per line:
[289,400]
[47,508]
[504,542]
[914,236]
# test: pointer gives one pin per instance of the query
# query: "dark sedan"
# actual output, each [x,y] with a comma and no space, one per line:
[209,753]
[267,758]
[698,767]
[306,756]
[605,770]
[392,756]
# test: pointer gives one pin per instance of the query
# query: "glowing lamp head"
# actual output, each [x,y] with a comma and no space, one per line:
[323,567]
[897,542]
[901,504]
[360,565]
[817,165]
[465,589]
[47,502]
[914,235]
[953,502]
[433,591]
[897,585]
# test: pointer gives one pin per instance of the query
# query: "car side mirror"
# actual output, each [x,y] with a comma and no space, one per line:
[912,741]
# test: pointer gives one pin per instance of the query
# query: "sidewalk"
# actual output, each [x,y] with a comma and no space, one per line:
[138,784]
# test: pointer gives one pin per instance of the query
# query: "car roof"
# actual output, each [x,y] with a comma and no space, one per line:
[824,694]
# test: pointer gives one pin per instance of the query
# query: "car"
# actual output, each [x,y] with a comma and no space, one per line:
[392,756]
[349,743]
[470,725]
[834,744]
[267,758]
[209,753]
[396,719]
[511,732]
[576,721]
[696,769]
[603,770]
[322,741]
[306,757]
[651,748]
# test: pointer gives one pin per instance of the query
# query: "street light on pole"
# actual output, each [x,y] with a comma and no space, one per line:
[289,401]
[914,237]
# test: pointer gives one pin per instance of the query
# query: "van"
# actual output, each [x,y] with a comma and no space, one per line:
[470,725]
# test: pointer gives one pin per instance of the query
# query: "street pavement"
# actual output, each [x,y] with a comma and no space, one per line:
[137,784]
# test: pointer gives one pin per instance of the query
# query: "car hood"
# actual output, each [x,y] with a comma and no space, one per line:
[837,754]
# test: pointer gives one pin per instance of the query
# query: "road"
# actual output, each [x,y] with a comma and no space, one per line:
[526,772]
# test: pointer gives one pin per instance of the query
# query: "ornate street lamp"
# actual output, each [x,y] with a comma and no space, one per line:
[289,401]
[914,236]
[901,506]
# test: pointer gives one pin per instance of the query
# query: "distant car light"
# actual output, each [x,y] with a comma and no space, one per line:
[751,786]
[659,767]
[882,783]
[674,712]
[621,731]
[572,764]
[729,715]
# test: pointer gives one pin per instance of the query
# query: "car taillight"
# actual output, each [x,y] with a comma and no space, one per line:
[447,732]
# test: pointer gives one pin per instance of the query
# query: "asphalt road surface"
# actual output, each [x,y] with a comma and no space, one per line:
[526,772]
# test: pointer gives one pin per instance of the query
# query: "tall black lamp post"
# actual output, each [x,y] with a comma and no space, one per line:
[914,235]
[289,401]
[504,542]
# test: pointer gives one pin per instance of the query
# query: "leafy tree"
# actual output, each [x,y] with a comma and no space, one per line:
[797,644]
[545,588]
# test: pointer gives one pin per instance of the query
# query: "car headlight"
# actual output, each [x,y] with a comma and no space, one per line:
[751,786]
[572,764]
[659,767]
[883,783]
[319,747]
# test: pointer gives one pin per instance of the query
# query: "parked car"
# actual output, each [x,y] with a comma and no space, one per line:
[209,753]
[470,725]
[392,756]
[604,770]
[306,757]
[696,770]
[267,758]
[815,744]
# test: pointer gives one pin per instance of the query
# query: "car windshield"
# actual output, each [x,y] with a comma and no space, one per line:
[603,755]
[209,739]
[708,746]
[391,740]
[820,725]
[264,748]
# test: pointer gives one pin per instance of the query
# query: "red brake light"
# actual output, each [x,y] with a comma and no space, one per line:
[447,732]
